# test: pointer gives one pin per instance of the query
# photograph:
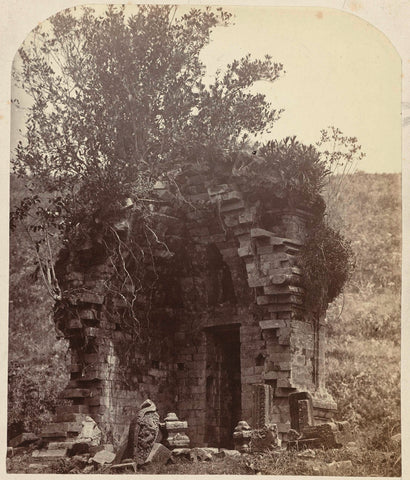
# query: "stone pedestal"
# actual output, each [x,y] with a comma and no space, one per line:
[176,432]
[242,436]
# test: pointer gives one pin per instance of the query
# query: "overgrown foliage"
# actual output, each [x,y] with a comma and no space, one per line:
[120,99]
[117,100]
[326,262]
[37,361]
[287,168]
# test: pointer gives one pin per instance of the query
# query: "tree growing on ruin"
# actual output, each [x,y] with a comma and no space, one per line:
[119,100]
[116,101]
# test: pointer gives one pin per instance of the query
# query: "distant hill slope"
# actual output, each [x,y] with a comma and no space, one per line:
[368,211]
[363,359]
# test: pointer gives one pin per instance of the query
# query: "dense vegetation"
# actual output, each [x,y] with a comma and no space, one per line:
[364,335]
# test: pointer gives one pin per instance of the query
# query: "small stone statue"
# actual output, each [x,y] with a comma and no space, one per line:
[144,429]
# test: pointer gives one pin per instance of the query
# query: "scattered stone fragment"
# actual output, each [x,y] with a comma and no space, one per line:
[229,453]
[328,435]
[264,438]
[201,454]
[301,410]
[309,453]
[103,457]
[159,454]
[337,468]
[36,467]
[88,469]
[181,452]
[171,417]
[58,445]
[177,440]
[124,467]
[49,454]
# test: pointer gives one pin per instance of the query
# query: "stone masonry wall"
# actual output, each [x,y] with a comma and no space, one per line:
[226,315]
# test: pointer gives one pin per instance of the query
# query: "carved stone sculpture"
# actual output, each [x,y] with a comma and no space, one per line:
[176,432]
[264,438]
[143,432]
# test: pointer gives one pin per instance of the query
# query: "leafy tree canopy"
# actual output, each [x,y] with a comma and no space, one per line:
[119,99]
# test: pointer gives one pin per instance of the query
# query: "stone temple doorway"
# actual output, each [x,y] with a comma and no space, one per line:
[223,384]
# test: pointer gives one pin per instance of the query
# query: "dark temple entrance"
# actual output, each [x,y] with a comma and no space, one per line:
[223,384]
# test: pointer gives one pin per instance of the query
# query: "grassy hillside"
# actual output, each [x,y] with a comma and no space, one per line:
[363,359]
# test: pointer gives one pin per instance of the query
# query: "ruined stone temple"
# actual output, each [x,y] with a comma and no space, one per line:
[219,331]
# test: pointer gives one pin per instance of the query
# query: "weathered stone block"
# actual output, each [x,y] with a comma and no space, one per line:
[75,323]
[23,439]
[264,300]
[90,297]
[273,324]
[103,457]
[159,454]
[245,251]
[76,393]
[262,402]
[231,206]
[72,409]
[261,233]
[49,454]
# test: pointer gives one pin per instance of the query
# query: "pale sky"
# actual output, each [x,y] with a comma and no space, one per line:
[340,71]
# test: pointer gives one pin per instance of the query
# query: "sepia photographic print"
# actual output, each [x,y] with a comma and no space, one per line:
[205,243]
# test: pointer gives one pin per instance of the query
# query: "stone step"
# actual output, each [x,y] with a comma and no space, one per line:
[70,417]
[60,445]
[76,393]
[59,436]
[42,455]
[61,428]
